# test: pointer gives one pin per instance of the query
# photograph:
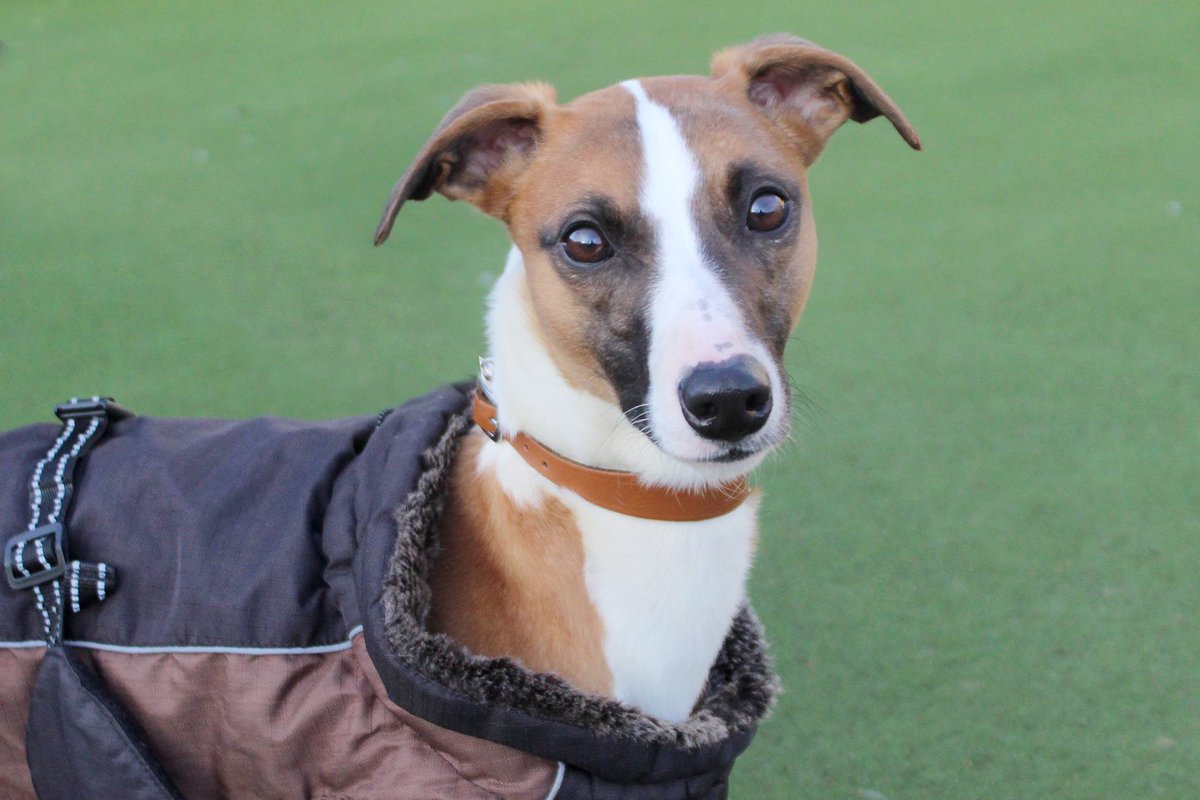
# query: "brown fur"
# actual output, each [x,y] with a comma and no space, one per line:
[589,147]
[525,566]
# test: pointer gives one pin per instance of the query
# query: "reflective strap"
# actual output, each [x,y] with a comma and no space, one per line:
[37,558]
[558,781]
[89,583]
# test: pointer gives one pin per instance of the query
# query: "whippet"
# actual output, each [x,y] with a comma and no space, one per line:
[598,523]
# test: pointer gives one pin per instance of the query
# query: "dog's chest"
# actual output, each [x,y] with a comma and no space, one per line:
[666,593]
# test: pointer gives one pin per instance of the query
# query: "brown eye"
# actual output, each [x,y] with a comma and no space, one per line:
[768,211]
[584,244]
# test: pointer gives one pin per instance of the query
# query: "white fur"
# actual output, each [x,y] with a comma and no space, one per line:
[667,593]
[693,319]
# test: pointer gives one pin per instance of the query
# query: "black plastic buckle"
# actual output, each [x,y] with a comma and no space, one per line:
[40,575]
[92,407]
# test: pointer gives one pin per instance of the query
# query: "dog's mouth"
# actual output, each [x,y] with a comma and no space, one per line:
[718,452]
[754,447]
[733,455]
[746,453]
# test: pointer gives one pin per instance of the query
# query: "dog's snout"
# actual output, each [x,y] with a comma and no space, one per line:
[726,401]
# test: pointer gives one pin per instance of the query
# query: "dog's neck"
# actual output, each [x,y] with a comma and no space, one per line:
[664,593]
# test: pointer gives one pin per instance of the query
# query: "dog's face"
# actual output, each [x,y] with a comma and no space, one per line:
[669,245]
[665,227]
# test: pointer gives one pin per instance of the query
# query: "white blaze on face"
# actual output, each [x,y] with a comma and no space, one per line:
[692,317]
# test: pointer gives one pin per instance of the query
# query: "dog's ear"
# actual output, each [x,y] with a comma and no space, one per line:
[808,90]
[477,151]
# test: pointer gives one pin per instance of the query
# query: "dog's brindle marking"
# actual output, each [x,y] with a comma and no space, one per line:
[689,196]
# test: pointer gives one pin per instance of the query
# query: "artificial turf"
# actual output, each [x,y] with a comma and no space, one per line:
[978,566]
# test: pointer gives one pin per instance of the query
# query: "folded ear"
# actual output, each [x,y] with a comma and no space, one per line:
[477,151]
[807,89]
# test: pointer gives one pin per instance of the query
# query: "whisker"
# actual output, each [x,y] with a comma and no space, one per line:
[804,406]
[640,413]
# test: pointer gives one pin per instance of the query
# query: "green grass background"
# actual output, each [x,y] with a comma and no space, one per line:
[979,562]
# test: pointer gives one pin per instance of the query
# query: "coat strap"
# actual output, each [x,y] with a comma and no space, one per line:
[38,559]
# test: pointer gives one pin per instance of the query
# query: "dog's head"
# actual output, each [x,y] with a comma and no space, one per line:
[665,228]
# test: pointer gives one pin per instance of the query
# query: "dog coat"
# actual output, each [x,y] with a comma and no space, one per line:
[242,616]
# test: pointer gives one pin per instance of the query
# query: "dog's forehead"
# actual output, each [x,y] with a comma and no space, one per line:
[594,145]
[720,127]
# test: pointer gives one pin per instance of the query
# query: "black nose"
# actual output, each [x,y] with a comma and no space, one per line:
[726,401]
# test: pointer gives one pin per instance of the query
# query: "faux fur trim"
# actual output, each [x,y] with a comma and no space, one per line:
[741,688]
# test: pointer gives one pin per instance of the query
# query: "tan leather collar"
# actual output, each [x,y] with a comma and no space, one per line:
[617,491]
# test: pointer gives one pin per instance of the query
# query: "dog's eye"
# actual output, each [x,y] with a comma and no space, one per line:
[768,211]
[583,244]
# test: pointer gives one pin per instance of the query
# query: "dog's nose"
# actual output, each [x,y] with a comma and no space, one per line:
[726,401]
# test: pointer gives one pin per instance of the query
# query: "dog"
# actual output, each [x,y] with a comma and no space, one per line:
[663,249]
[527,586]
